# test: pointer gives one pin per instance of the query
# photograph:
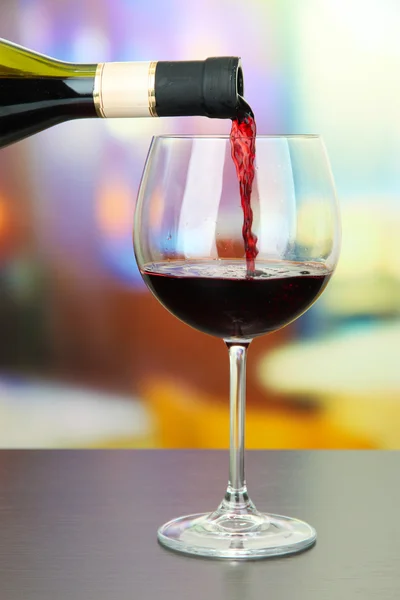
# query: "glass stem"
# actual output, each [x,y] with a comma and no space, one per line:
[236,497]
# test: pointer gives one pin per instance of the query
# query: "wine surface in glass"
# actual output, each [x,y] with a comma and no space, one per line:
[217,297]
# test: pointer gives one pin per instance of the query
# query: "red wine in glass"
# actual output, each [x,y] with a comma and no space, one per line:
[218,297]
[197,279]
[227,298]
[243,150]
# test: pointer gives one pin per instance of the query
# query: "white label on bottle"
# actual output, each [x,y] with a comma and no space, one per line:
[123,89]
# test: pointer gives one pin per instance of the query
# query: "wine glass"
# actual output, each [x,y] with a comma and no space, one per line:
[189,249]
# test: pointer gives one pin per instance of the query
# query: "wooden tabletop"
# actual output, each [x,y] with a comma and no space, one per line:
[81,525]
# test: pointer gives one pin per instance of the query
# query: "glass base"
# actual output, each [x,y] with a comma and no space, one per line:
[237,536]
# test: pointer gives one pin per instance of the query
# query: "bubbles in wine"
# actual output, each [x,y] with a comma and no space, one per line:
[224,269]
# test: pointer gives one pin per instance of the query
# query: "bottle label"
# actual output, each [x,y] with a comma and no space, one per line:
[125,89]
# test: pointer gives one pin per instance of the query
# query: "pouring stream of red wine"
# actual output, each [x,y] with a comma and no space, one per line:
[243,150]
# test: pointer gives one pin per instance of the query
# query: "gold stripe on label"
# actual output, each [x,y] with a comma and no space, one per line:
[152,91]
[97,95]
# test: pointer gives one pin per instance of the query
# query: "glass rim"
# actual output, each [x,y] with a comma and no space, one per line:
[226,136]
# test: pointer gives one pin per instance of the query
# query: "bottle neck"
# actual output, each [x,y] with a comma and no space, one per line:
[37,92]
[210,88]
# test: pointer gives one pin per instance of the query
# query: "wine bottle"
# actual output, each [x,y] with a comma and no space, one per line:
[37,92]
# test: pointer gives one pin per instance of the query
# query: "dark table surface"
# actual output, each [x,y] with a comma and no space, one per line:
[82,525]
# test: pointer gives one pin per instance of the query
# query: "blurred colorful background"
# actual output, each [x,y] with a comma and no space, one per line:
[87,357]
